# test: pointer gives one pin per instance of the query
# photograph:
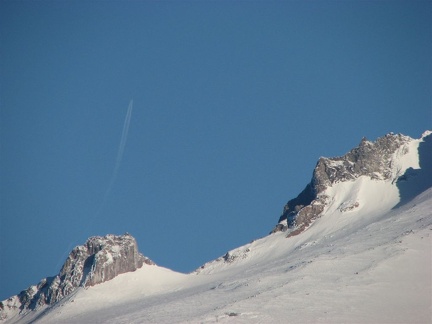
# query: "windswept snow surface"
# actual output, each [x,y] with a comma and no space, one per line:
[367,259]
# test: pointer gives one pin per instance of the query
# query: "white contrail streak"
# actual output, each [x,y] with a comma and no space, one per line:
[124,137]
[114,174]
[119,156]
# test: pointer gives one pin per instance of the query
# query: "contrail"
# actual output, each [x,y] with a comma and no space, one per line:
[119,156]
[114,175]
[124,137]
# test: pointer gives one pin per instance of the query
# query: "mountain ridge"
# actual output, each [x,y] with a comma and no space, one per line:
[368,176]
[373,159]
[98,260]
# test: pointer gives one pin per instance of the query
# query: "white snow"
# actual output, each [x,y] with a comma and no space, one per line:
[109,257]
[426,133]
[376,269]
[405,157]
[367,264]
[115,250]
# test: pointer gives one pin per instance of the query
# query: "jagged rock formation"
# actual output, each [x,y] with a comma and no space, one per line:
[372,159]
[100,259]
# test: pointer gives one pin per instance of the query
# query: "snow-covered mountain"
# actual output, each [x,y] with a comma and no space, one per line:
[387,159]
[355,246]
[100,259]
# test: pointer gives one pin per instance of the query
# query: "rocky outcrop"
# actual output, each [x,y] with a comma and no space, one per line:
[372,159]
[100,259]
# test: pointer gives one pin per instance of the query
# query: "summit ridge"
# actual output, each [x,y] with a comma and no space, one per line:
[382,160]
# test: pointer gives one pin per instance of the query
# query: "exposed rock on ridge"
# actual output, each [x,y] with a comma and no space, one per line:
[372,159]
[100,259]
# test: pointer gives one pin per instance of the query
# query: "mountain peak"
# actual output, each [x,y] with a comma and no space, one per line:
[99,259]
[352,198]
[378,160]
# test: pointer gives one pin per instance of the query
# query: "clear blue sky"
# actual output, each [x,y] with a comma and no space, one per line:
[234,102]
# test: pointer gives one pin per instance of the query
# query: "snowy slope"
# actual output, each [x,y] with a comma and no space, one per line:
[366,259]
[380,272]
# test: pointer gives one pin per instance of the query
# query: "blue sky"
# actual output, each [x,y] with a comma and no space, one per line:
[234,102]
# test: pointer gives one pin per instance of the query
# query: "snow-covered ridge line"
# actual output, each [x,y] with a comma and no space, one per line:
[366,182]
[354,204]
[386,159]
[375,271]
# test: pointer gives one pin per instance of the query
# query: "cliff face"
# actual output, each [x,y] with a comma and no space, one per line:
[100,259]
[376,160]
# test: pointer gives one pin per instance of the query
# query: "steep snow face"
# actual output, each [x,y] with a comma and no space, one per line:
[389,159]
[100,259]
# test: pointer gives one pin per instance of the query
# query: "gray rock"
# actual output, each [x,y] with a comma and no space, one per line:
[100,259]
[373,159]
